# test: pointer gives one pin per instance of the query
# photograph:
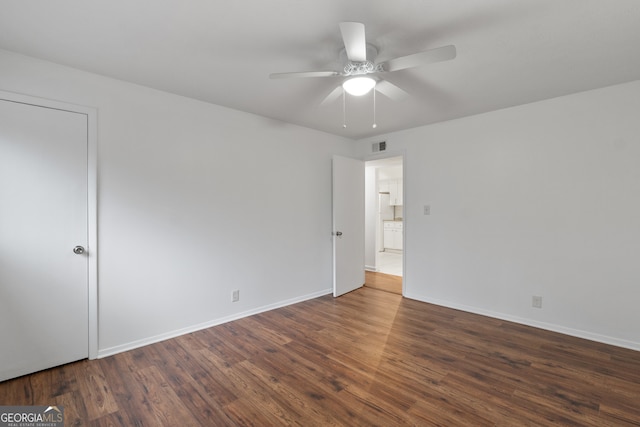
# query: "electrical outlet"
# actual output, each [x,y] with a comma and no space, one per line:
[235,296]
[536,301]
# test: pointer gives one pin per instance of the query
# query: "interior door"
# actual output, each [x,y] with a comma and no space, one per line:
[348,225]
[43,218]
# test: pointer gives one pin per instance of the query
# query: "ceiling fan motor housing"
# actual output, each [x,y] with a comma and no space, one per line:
[357,68]
[354,68]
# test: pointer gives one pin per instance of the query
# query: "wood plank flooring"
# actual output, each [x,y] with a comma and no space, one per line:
[367,358]
[383,282]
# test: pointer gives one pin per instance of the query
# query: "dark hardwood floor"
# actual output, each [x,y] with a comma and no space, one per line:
[366,358]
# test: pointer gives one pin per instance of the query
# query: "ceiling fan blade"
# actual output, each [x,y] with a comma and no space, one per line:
[333,95]
[304,74]
[391,91]
[354,41]
[438,54]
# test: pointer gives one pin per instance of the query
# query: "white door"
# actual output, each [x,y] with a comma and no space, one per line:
[43,216]
[348,225]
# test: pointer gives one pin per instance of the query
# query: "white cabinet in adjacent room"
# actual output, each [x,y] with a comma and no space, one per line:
[395,192]
[394,188]
[392,235]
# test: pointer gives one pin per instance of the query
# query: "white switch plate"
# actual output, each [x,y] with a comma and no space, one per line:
[536,301]
[427,210]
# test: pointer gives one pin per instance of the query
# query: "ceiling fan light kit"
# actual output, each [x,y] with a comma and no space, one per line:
[358,86]
[358,65]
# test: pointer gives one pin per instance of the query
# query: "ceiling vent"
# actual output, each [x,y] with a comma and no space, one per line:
[379,146]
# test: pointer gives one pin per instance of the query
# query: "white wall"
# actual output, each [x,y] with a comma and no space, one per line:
[191,203]
[389,172]
[541,199]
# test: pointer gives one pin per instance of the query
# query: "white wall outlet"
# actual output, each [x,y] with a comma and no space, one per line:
[235,296]
[536,301]
[427,210]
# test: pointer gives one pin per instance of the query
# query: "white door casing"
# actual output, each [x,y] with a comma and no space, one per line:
[348,225]
[48,298]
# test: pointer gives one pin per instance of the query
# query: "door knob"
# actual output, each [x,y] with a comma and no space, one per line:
[338,233]
[78,250]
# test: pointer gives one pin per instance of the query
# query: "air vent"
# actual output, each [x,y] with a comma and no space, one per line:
[379,146]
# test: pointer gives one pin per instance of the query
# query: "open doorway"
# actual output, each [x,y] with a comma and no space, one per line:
[384,224]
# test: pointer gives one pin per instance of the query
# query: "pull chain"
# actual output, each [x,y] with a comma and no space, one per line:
[374,109]
[344,110]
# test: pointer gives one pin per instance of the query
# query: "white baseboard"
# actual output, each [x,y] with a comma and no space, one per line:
[529,322]
[162,337]
[393,251]
[371,268]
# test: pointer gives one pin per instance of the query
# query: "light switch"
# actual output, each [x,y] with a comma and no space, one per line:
[427,210]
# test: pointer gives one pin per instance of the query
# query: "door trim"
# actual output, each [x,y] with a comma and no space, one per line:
[92,201]
[403,154]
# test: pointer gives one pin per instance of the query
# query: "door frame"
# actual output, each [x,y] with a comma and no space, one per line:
[92,201]
[388,155]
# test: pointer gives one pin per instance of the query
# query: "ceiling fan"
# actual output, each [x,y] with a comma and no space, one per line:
[359,69]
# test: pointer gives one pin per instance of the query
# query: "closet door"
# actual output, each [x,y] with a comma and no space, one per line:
[43,235]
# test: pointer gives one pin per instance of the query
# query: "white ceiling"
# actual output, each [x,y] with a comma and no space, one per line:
[510,52]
